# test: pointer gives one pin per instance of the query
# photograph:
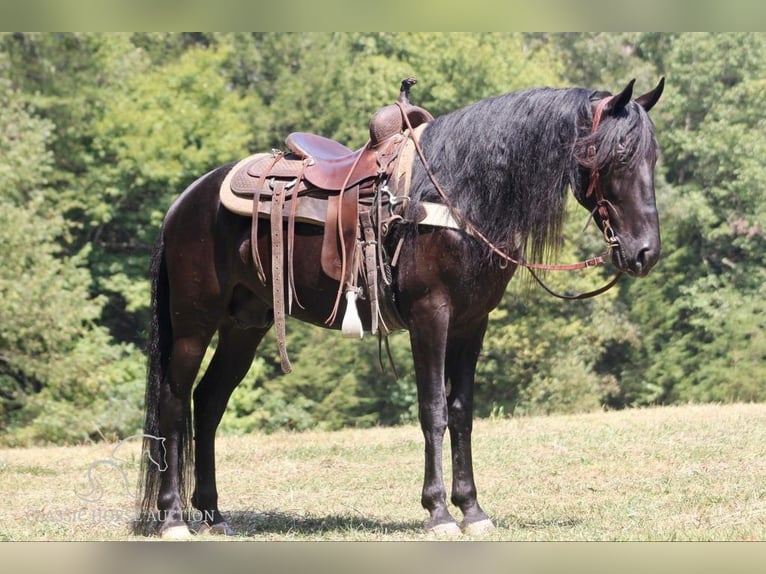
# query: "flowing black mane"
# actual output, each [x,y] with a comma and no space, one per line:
[506,161]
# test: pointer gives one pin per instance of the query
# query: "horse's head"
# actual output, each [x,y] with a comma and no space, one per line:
[619,156]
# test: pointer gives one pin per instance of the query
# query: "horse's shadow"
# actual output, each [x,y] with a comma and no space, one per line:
[280,523]
[251,523]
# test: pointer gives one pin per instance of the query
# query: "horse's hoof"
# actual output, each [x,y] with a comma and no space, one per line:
[217,529]
[478,528]
[180,532]
[445,530]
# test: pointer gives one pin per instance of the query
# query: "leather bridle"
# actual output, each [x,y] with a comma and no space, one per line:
[602,204]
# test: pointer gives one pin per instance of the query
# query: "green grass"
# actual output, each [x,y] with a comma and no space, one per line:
[674,473]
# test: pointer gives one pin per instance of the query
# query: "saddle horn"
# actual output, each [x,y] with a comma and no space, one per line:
[648,100]
[388,120]
[404,91]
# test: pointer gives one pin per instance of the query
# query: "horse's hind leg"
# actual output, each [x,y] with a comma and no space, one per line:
[462,355]
[231,361]
[174,420]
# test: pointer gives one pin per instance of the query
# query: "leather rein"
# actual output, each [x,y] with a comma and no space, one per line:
[602,208]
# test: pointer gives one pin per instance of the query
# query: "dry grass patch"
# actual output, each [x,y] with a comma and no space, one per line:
[674,473]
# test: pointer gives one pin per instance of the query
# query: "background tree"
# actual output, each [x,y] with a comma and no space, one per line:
[100,132]
[55,360]
[701,312]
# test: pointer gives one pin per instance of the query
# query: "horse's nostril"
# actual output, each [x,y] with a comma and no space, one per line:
[645,259]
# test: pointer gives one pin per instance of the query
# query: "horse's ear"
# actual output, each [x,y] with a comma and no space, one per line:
[621,100]
[648,100]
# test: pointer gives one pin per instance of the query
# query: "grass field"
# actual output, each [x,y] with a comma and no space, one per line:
[673,473]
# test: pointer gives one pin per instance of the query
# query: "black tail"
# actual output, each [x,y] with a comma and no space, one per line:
[153,459]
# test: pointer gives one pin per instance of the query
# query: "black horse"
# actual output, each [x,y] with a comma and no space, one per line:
[503,164]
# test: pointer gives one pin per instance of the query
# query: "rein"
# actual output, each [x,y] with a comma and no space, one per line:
[602,207]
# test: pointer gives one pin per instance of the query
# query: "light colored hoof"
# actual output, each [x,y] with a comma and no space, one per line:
[180,532]
[446,530]
[478,528]
[217,529]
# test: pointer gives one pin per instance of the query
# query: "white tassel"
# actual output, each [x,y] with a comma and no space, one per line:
[352,324]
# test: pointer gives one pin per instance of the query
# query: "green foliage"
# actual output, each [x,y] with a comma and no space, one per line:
[61,376]
[67,79]
[457,69]
[94,392]
[26,163]
[350,390]
[100,132]
[162,130]
[545,355]
[605,60]
[56,363]
[701,311]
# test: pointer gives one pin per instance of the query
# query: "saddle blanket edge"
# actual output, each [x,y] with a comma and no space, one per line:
[231,201]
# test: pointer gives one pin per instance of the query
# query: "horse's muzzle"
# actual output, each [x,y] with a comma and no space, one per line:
[638,261]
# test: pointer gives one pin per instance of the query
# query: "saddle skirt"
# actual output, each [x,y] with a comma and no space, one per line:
[239,188]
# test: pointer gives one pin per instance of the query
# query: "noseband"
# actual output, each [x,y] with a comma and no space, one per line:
[602,207]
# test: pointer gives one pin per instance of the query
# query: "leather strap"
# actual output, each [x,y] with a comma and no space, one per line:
[346,275]
[578,296]
[254,227]
[371,268]
[292,292]
[277,273]
[254,239]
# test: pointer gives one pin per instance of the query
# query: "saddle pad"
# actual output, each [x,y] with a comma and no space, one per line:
[236,194]
[239,204]
[248,178]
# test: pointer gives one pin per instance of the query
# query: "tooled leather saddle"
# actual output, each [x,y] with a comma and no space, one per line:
[323,182]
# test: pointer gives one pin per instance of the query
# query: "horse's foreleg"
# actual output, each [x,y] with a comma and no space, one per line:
[233,357]
[462,355]
[428,334]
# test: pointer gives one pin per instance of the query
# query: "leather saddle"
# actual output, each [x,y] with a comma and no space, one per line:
[322,182]
[312,191]
[319,173]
